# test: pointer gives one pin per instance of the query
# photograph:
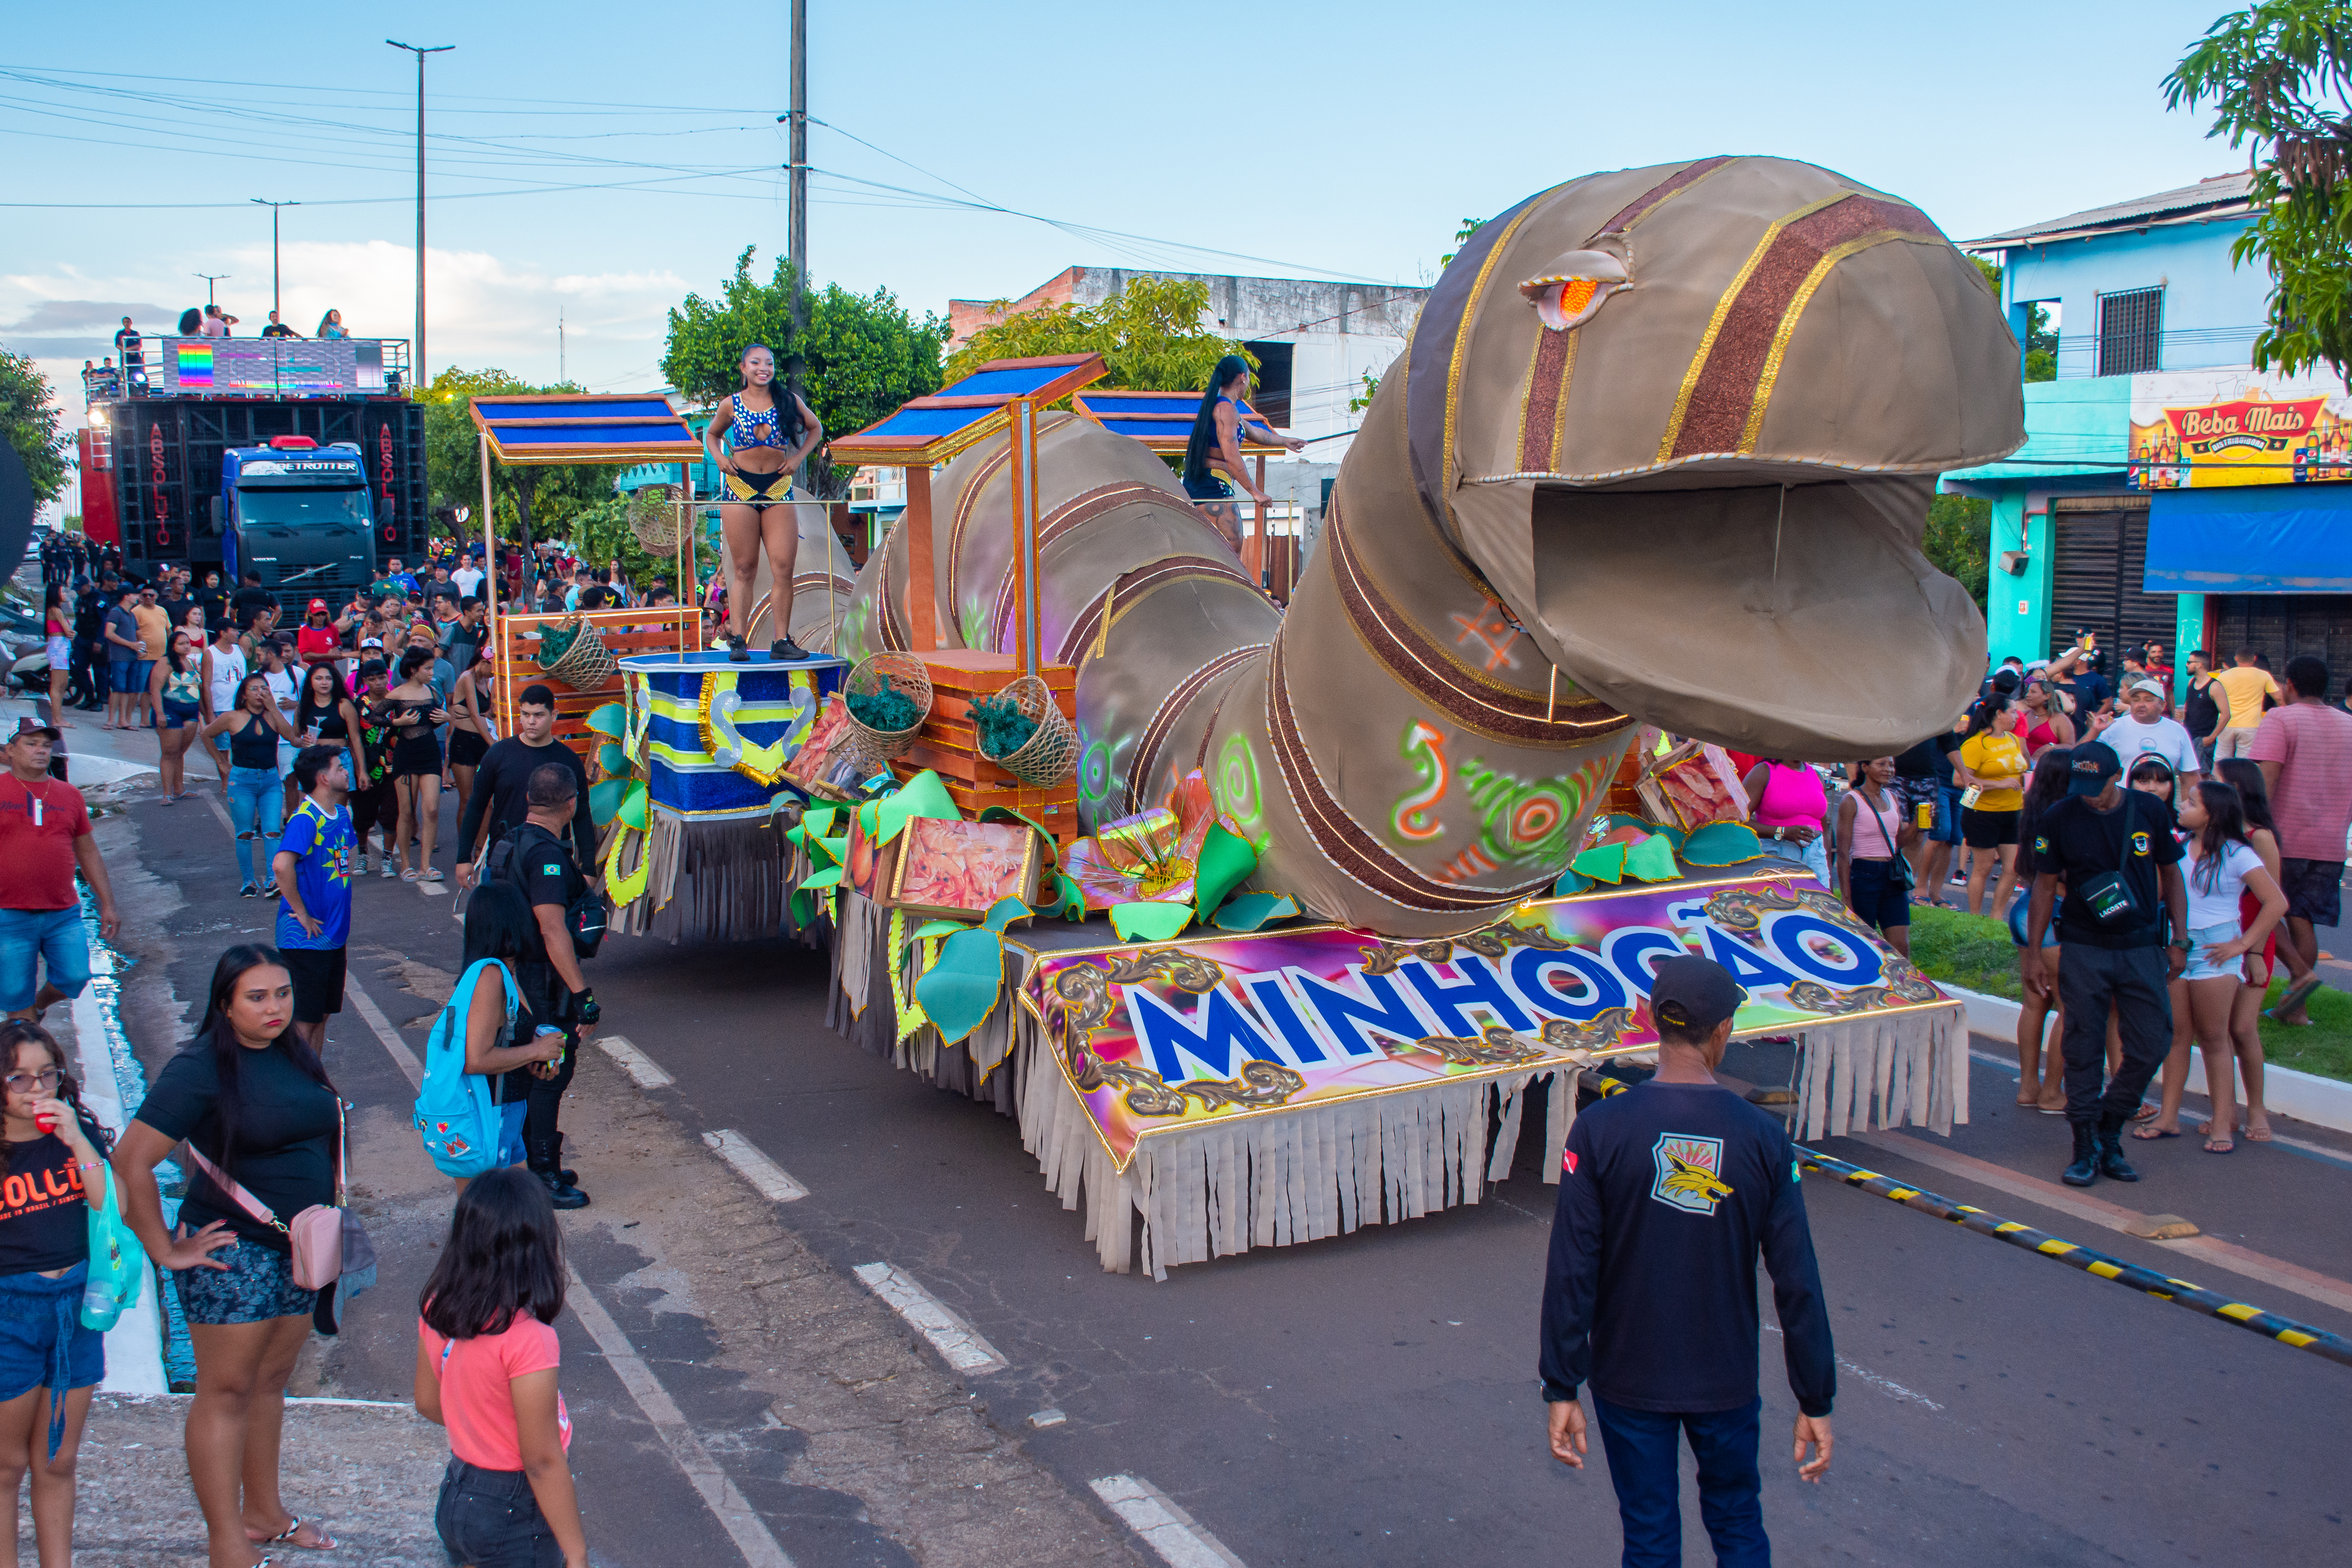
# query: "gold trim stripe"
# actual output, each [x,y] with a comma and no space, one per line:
[1771,372]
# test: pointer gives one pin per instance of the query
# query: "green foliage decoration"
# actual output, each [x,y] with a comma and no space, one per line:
[1004,728]
[888,710]
[1149,333]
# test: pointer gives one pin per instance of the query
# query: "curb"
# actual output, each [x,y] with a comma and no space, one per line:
[2306,1096]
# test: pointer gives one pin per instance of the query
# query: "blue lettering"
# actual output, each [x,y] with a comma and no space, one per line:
[1628,952]
[1480,988]
[1216,1039]
[1788,934]
[1352,1020]
[1747,966]
[1597,991]
[1274,1004]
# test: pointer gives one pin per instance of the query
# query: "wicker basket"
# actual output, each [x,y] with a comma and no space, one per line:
[587,663]
[906,674]
[660,519]
[1048,757]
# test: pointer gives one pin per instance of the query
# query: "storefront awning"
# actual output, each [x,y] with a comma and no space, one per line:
[2251,539]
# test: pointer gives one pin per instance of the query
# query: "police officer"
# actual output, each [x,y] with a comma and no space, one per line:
[540,861]
[1666,1194]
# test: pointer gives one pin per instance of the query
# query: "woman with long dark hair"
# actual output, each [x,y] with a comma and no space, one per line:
[1218,430]
[1991,764]
[487,1358]
[2044,788]
[326,716]
[51,1154]
[501,935]
[57,628]
[769,431]
[471,730]
[2222,867]
[415,712]
[177,690]
[256,800]
[1870,837]
[259,1114]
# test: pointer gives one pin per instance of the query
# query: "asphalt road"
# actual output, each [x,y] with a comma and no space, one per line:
[1371,1399]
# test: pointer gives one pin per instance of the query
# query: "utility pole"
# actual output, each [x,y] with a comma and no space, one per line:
[417,378]
[210,278]
[273,206]
[799,236]
[559,344]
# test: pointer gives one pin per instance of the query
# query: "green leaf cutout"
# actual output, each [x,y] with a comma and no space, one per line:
[1652,861]
[1570,881]
[611,720]
[1722,844]
[922,796]
[1247,911]
[1605,864]
[634,804]
[1226,860]
[934,928]
[1150,921]
[605,800]
[1003,912]
[818,820]
[828,877]
[960,988]
[1070,902]
[612,759]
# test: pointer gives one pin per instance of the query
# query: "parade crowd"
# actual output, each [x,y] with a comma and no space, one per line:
[333,731]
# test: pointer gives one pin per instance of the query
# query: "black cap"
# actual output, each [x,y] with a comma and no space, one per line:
[35,727]
[1691,995]
[2095,763]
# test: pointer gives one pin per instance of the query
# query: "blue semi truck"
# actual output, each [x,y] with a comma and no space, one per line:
[299,515]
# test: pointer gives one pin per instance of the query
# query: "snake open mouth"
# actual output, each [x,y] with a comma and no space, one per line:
[1796,619]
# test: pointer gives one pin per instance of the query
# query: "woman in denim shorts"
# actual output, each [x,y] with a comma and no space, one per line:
[254,1101]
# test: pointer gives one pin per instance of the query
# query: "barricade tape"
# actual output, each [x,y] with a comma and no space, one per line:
[2164,1288]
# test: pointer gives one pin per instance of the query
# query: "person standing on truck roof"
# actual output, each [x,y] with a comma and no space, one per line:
[330,325]
[278,329]
[132,351]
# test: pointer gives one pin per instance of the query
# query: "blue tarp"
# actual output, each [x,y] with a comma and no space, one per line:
[2252,539]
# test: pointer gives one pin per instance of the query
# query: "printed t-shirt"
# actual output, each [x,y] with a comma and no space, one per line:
[38,824]
[2163,739]
[1989,754]
[2312,744]
[324,845]
[2244,687]
[476,1404]
[284,1152]
[44,1217]
[2074,841]
[2219,904]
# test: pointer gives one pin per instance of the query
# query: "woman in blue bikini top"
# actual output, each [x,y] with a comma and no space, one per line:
[758,462]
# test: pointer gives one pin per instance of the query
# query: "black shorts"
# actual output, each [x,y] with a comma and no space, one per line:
[1988,829]
[318,975]
[2315,889]
[414,756]
[467,748]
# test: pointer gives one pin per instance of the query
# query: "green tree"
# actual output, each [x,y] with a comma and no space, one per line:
[864,354]
[2040,343]
[531,502]
[1957,540]
[1149,333]
[600,533]
[2277,74]
[31,418]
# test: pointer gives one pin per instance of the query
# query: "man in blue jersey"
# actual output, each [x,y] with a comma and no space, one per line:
[314,867]
[1666,1194]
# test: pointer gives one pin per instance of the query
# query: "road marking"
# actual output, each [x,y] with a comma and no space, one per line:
[384,1032]
[640,1066]
[719,1494]
[764,1174]
[954,1339]
[1168,1530]
[2276,1272]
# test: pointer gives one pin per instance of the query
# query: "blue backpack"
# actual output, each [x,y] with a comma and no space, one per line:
[453,1113]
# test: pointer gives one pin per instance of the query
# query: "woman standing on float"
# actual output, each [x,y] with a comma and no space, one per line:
[770,431]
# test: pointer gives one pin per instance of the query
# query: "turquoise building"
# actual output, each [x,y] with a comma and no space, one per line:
[2167,492]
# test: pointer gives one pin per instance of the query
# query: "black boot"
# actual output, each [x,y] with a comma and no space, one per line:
[541,1156]
[2112,1163]
[2085,1168]
[570,1177]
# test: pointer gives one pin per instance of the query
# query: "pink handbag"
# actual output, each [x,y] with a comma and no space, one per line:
[316,1236]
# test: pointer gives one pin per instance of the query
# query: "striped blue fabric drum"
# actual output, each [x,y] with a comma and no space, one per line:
[715,734]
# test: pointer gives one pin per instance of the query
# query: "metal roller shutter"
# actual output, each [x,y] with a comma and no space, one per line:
[2282,626]
[2100,563]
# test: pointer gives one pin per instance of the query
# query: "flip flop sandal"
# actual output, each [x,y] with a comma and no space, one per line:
[2146,1113]
[286,1538]
[2294,996]
[2218,1146]
[2258,1134]
[2151,1134]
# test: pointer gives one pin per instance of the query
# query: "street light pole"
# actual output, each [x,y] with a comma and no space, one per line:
[274,305]
[416,370]
[799,235]
[210,278]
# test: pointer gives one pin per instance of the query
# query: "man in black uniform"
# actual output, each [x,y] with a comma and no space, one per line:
[2115,848]
[503,777]
[1666,1192]
[537,860]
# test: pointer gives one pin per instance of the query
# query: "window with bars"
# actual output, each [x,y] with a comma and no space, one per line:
[2130,330]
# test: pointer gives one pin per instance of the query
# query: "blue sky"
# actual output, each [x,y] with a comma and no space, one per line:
[1320,139]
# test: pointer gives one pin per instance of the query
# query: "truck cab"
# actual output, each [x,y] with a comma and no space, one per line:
[297,515]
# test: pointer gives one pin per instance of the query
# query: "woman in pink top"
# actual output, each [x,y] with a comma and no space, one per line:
[486,1361]
[1789,805]
[1870,837]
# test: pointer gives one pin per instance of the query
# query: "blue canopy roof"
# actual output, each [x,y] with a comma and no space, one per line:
[584,427]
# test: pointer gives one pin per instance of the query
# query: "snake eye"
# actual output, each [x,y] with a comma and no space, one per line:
[1573,287]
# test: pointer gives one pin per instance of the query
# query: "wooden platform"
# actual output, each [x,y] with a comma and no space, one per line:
[671,628]
[949,746]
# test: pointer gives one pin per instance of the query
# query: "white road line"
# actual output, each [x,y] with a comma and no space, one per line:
[640,1066]
[764,1174]
[735,1515]
[384,1032]
[1168,1530]
[953,1338]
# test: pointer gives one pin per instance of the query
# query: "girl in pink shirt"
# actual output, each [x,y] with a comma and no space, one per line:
[486,1361]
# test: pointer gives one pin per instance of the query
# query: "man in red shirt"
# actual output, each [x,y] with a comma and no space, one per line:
[2305,748]
[44,838]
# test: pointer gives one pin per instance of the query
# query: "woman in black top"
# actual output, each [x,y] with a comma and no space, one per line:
[327,717]
[257,805]
[253,1100]
[49,1361]
[417,712]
